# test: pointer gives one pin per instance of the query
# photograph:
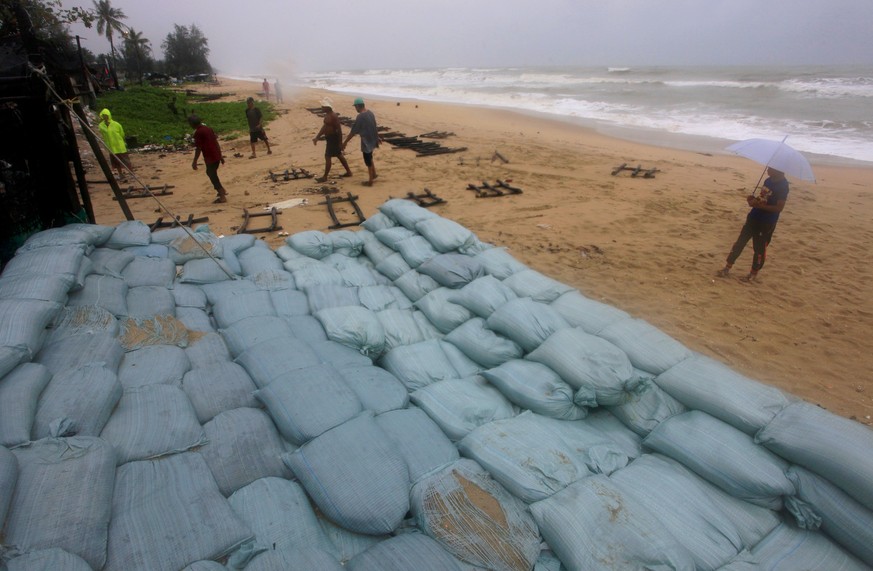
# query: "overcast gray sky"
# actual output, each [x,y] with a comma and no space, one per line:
[279,37]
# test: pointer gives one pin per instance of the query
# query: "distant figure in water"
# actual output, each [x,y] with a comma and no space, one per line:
[760,223]
[266,88]
[332,133]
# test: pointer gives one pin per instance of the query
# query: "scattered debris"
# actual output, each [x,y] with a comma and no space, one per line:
[436,135]
[426,199]
[500,188]
[292,174]
[497,155]
[273,213]
[647,173]
[330,201]
[131,192]
[290,203]
[177,221]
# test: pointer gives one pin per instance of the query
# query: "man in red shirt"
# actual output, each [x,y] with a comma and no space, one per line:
[206,142]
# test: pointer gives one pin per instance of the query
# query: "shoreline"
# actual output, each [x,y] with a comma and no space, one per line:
[647,246]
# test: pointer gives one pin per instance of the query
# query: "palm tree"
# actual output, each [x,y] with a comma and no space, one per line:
[136,43]
[109,21]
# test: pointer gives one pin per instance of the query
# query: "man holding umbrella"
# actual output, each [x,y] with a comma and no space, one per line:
[760,223]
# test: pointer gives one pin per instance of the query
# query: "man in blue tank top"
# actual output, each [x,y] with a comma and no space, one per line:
[760,223]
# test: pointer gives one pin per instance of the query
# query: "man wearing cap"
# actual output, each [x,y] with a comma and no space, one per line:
[365,126]
[332,133]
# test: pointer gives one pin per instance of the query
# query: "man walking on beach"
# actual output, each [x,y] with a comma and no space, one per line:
[365,126]
[266,87]
[206,142]
[332,133]
[113,136]
[278,89]
[760,223]
[256,130]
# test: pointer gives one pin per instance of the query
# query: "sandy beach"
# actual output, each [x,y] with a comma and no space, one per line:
[649,246]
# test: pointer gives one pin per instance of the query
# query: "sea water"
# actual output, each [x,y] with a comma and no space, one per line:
[822,111]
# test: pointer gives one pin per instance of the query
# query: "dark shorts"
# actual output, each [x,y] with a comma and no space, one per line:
[333,145]
[368,159]
[119,160]
[254,136]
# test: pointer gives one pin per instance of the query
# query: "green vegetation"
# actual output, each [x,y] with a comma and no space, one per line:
[147,114]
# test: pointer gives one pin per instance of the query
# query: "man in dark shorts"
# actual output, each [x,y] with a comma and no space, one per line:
[365,126]
[760,223]
[332,133]
[206,142]
[256,130]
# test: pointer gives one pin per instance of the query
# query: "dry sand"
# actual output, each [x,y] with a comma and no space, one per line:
[648,246]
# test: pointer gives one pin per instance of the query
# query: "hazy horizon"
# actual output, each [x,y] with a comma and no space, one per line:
[268,37]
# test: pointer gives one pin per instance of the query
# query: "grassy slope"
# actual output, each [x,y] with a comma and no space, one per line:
[145,113]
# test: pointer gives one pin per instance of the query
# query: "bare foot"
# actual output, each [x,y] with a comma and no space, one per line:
[751,278]
[269,152]
[723,273]
[347,175]
[367,182]
[253,156]
[321,179]
[219,200]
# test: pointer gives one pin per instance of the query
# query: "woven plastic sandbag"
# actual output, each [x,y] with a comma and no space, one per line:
[338,355]
[81,400]
[302,558]
[8,478]
[307,327]
[249,331]
[419,365]
[230,309]
[446,235]
[48,560]
[195,320]
[459,406]
[269,359]
[787,548]
[153,421]
[377,389]
[307,402]
[393,266]
[65,261]
[207,271]
[207,350]
[483,296]
[317,275]
[683,507]
[103,291]
[290,302]
[19,394]
[500,263]
[11,356]
[590,315]
[415,285]
[218,387]
[146,302]
[236,242]
[327,296]
[526,322]
[643,408]
[354,327]
[475,518]
[195,245]
[701,383]
[168,513]
[404,552]
[23,322]
[205,565]
[535,456]
[273,280]
[415,250]
[377,222]
[77,350]
[63,497]
[379,297]
[65,235]
[390,237]
[535,387]
[355,476]
[258,259]
[452,270]
[87,319]
[150,251]
[599,371]
[189,296]
[820,504]
[537,286]
[405,212]
[347,544]
[836,448]
[627,440]
[647,347]
[724,456]
[155,364]
[593,525]
[357,274]
[400,327]
[346,242]
[419,440]
[144,271]
[279,514]
[129,233]
[444,314]
[483,345]
[313,243]
[109,262]
[242,446]
[37,287]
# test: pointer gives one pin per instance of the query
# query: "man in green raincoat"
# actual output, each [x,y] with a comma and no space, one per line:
[113,136]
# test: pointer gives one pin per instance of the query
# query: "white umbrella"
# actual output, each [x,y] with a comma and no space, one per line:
[775,154]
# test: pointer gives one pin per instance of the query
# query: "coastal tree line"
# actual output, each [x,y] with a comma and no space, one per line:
[131,56]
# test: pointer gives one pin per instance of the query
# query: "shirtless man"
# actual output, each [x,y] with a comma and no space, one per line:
[332,133]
